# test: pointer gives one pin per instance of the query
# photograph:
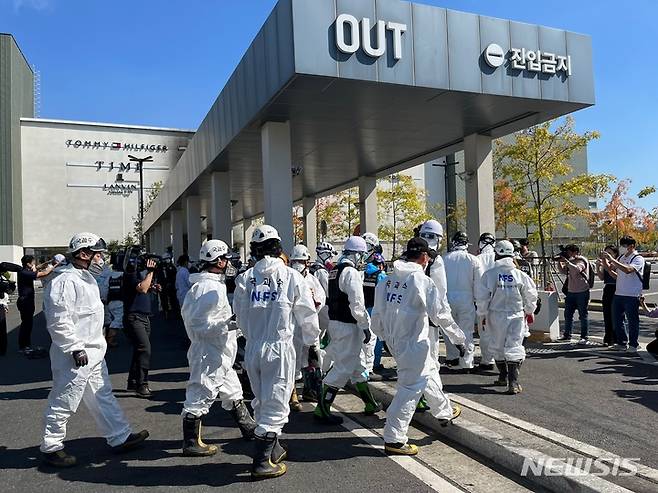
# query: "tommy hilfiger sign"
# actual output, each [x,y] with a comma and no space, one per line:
[116,146]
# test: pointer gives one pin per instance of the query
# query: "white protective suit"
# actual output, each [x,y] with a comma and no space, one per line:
[74,317]
[463,272]
[446,323]
[403,303]
[487,259]
[322,275]
[206,314]
[301,349]
[266,299]
[346,339]
[183,284]
[504,296]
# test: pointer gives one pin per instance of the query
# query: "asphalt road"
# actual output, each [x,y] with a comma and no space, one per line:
[321,459]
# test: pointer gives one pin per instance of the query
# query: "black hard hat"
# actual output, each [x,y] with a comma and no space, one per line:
[487,239]
[459,238]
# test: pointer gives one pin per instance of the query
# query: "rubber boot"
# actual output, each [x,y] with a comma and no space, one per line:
[263,467]
[400,449]
[323,409]
[59,459]
[502,378]
[243,419]
[513,386]
[295,405]
[422,405]
[372,406]
[279,452]
[193,446]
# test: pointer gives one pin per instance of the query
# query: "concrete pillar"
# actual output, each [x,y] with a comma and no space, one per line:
[193,220]
[166,233]
[310,224]
[220,207]
[368,204]
[478,160]
[247,231]
[177,232]
[277,179]
[156,239]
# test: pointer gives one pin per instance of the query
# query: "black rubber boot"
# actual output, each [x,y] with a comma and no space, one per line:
[133,441]
[279,452]
[193,446]
[372,406]
[513,386]
[263,467]
[323,409]
[243,419]
[59,459]
[502,378]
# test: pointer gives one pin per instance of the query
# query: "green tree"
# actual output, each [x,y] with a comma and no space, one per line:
[401,207]
[536,163]
[341,213]
[138,230]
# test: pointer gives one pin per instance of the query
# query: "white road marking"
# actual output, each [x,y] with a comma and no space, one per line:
[644,472]
[409,464]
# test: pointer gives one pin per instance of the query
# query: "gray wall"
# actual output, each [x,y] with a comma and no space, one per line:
[16,101]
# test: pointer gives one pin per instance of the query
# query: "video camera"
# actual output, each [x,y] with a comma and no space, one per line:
[563,254]
[134,258]
[6,286]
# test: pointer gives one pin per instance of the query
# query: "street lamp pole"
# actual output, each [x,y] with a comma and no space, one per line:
[140,162]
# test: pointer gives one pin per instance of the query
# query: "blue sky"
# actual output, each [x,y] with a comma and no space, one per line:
[164,62]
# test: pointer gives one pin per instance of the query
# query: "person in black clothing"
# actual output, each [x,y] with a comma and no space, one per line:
[25,303]
[609,278]
[137,325]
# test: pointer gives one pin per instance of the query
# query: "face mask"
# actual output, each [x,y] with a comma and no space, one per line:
[96,267]
[623,250]
[230,270]
[299,267]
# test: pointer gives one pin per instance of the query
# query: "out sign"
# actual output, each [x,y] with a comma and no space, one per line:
[352,35]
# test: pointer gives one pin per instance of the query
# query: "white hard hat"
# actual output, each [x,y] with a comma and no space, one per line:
[212,250]
[325,246]
[504,248]
[87,240]
[264,233]
[300,252]
[355,244]
[371,240]
[431,227]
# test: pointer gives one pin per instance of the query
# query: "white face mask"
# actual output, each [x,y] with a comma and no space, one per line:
[96,267]
[299,267]
[623,250]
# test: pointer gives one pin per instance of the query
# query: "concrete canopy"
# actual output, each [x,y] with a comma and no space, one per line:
[357,115]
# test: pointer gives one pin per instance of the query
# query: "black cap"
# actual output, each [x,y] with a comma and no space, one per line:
[417,245]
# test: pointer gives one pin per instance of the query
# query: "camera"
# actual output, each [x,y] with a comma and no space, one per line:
[134,258]
[6,286]
[563,254]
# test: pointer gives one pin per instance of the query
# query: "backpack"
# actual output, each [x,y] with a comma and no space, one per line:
[645,277]
[591,275]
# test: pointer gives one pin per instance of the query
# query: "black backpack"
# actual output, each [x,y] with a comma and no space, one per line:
[645,277]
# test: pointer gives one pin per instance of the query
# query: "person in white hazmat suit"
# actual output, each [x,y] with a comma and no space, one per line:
[463,272]
[349,330]
[308,356]
[74,318]
[505,297]
[374,247]
[404,304]
[206,314]
[487,257]
[267,298]
[325,252]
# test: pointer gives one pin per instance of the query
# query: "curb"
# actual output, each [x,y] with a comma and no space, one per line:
[507,452]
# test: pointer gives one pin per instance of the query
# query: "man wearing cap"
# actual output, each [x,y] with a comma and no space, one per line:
[404,305]
[74,318]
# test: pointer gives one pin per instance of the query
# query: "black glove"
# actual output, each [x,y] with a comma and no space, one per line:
[366,338]
[313,357]
[462,350]
[80,358]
